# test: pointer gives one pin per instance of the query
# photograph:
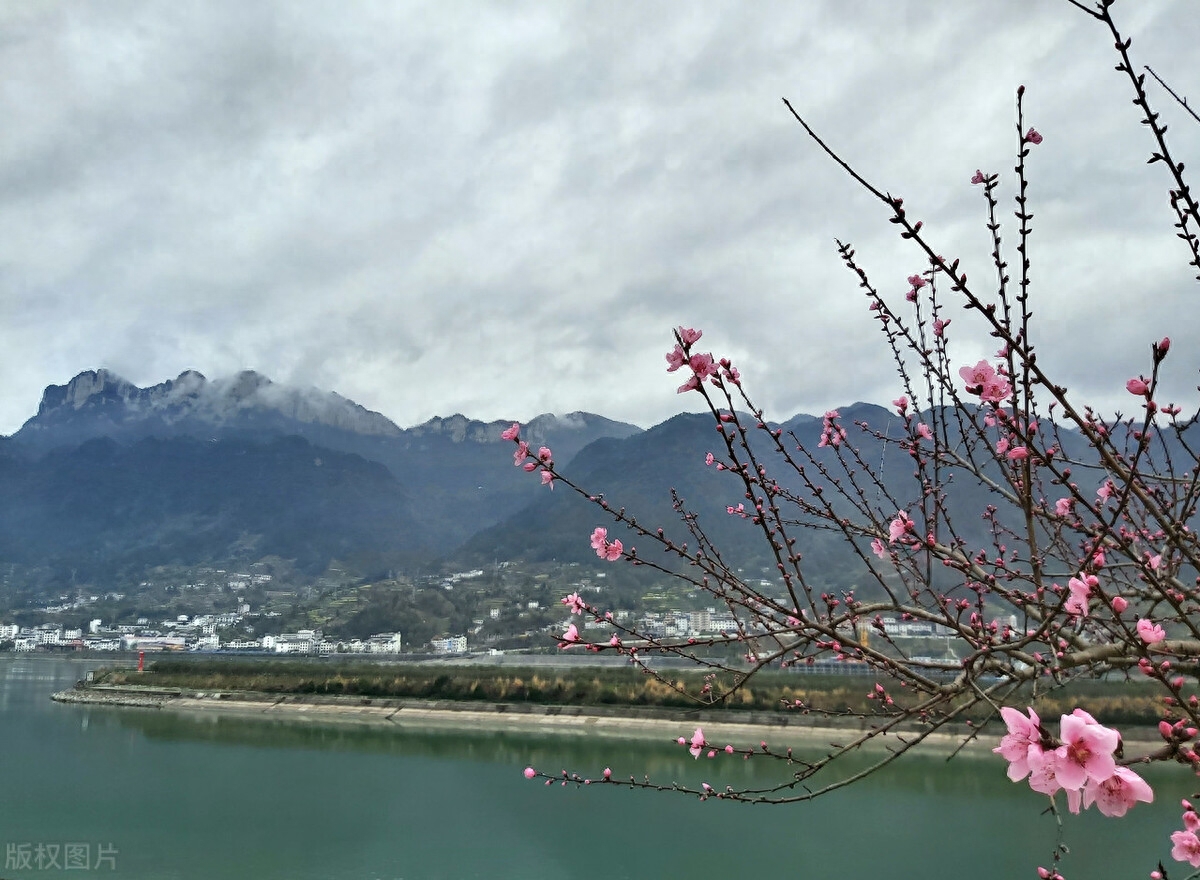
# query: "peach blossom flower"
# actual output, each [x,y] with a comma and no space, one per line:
[1150,632]
[1086,752]
[1024,737]
[1115,795]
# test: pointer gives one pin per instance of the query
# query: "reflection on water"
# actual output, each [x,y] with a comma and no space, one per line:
[662,760]
[198,796]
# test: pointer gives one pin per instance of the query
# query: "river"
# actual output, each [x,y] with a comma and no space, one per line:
[150,795]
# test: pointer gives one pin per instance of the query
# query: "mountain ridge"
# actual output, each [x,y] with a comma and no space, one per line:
[444,479]
[189,470]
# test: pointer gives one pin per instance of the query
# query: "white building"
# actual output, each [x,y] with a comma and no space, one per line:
[450,645]
[389,643]
[898,628]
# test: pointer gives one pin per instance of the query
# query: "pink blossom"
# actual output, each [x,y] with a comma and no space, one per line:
[520,453]
[879,549]
[607,773]
[901,404]
[1186,847]
[924,431]
[1032,136]
[702,365]
[1018,453]
[709,459]
[605,549]
[1154,561]
[978,178]
[997,390]
[1081,589]
[675,359]
[529,771]
[545,456]
[570,636]
[575,603]
[1043,768]
[978,375]
[939,327]
[1002,446]
[899,527]
[548,479]
[697,744]
[1105,492]
[1137,387]
[512,432]
[1118,793]
[690,336]
[1086,752]
[982,379]
[1119,604]
[832,434]
[916,281]
[615,641]
[1063,506]
[1150,632]
[691,384]
[1023,739]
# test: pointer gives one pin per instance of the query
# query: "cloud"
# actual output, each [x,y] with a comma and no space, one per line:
[504,209]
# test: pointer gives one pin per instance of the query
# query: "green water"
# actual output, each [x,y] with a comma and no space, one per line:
[172,797]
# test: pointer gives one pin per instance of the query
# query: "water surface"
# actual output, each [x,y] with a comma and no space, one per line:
[174,797]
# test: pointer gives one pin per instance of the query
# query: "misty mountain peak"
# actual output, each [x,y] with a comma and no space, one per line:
[85,387]
[99,403]
[247,384]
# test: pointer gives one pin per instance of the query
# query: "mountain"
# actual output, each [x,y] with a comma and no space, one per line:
[640,472]
[108,476]
[98,403]
[102,507]
[188,470]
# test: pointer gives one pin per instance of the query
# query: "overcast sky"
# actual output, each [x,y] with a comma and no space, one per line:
[502,209]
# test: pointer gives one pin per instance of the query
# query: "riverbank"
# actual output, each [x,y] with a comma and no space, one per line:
[609,722]
[630,722]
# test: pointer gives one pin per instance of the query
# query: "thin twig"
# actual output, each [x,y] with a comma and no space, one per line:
[1182,101]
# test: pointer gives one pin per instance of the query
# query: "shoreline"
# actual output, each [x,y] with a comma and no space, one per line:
[623,722]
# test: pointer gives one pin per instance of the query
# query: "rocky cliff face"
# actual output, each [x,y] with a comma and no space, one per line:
[98,403]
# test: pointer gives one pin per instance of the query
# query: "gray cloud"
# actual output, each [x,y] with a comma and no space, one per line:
[503,209]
